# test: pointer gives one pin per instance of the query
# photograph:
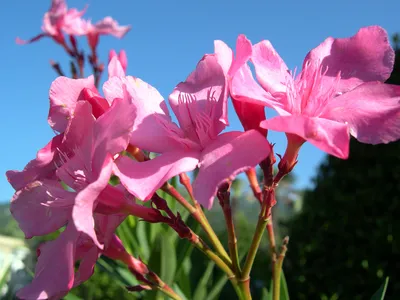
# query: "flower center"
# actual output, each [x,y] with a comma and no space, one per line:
[311,91]
[199,122]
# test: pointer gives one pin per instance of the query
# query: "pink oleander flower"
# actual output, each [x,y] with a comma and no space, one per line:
[55,271]
[58,20]
[121,58]
[88,206]
[340,91]
[200,105]
[87,171]
[107,26]
[64,95]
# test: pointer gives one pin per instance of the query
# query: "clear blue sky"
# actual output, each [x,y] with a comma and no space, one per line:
[165,43]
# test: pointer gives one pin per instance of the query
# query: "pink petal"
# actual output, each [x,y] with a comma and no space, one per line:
[372,111]
[366,56]
[142,179]
[86,266]
[200,103]
[43,166]
[330,136]
[106,226]
[244,88]
[243,54]
[224,55]
[54,272]
[78,142]
[271,70]
[250,115]
[64,93]
[152,117]
[58,7]
[112,131]
[73,24]
[109,26]
[115,68]
[79,132]
[41,207]
[230,154]
[123,59]
[82,212]
[51,25]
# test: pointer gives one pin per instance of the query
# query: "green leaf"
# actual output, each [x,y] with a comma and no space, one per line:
[183,277]
[201,290]
[264,294]
[120,274]
[217,288]
[168,260]
[141,233]
[284,288]
[126,233]
[380,294]
[178,290]
[4,272]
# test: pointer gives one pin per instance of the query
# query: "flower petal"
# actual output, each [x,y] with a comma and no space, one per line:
[42,207]
[330,136]
[366,56]
[271,70]
[250,115]
[82,213]
[115,68]
[86,266]
[243,86]
[230,154]
[372,111]
[112,131]
[54,272]
[43,166]
[224,55]
[106,226]
[142,179]
[109,26]
[152,117]
[64,93]
[200,103]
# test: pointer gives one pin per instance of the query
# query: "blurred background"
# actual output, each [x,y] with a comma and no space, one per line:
[341,216]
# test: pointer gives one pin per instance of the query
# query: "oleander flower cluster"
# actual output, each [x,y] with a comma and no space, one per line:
[339,92]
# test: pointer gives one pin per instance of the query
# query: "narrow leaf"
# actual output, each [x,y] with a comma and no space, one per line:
[380,294]
[201,290]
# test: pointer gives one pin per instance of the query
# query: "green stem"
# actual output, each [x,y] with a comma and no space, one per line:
[203,247]
[272,243]
[276,292]
[244,286]
[254,247]
[260,228]
[199,216]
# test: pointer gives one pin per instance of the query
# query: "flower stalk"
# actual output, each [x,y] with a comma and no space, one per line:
[223,195]
[276,292]
[198,215]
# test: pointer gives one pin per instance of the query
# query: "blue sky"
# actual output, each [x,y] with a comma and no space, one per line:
[166,41]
